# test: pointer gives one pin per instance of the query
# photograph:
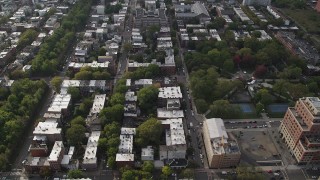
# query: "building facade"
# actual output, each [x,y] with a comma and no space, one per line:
[300,130]
[222,149]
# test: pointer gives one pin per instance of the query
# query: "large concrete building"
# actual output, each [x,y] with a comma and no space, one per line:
[222,149]
[300,129]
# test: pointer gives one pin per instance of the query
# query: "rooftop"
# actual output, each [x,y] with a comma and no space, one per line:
[57,149]
[60,101]
[47,127]
[164,113]
[175,135]
[170,92]
[130,96]
[91,149]
[98,103]
[124,157]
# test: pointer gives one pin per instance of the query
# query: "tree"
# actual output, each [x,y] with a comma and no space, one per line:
[228,65]
[147,98]
[202,105]
[291,72]
[56,83]
[280,87]
[312,86]
[103,144]
[203,83]
[256,34]
[223,109]
[74,92]
[111,161]
[187,173]
[117,98]
[75,174]
[260,70]
[113,113]
[127,47]
[102,51]
[264,97]
[148,166]
[113,142]
[128,175]
[45,172]
[75,134]
[298,90]
[112,129]
[259,108]
[83,75]
[78,120]
[166,170]
[149,132]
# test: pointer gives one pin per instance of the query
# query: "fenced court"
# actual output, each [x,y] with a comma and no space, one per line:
[278,108]
[246,108]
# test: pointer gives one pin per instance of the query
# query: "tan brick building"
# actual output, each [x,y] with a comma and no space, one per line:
[222,149]
[300,130]
[318,6]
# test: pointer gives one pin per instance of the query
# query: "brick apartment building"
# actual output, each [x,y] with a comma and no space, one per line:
[300,129]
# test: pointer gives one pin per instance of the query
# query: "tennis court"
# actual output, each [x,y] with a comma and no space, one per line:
[278,108]
[246,108]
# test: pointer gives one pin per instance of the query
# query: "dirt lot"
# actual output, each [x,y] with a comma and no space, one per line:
[255,146]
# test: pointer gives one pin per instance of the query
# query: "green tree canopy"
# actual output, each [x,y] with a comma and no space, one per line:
[166,170]
[117,98]
[56,83]
[149,132]
[147,98]
[148,166]
[223,109]
[75,174]
[75,134]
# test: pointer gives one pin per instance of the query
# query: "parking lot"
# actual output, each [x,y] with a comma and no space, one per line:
[246,124]
[256,146]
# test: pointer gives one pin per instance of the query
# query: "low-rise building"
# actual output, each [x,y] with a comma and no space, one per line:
[92,119]
[176,146]
[56,156]
[130,107]
[60,104]
[125,156]
[222,149]
[49,129]
[90,159]
[147,154]
[163,113]
[38,147]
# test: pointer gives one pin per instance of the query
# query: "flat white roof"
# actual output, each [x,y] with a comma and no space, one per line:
[216,128]
[149,151]
[130,96]
[91,149]
[93,64]
[60,101]
[131,131]
[164,114]
[98,103]
[124,157]
[126,143]
[143,82]
[56,151]
[175,136]
[47,127]
[170,92]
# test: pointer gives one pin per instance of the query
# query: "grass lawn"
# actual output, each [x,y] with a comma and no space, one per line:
[307,18]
